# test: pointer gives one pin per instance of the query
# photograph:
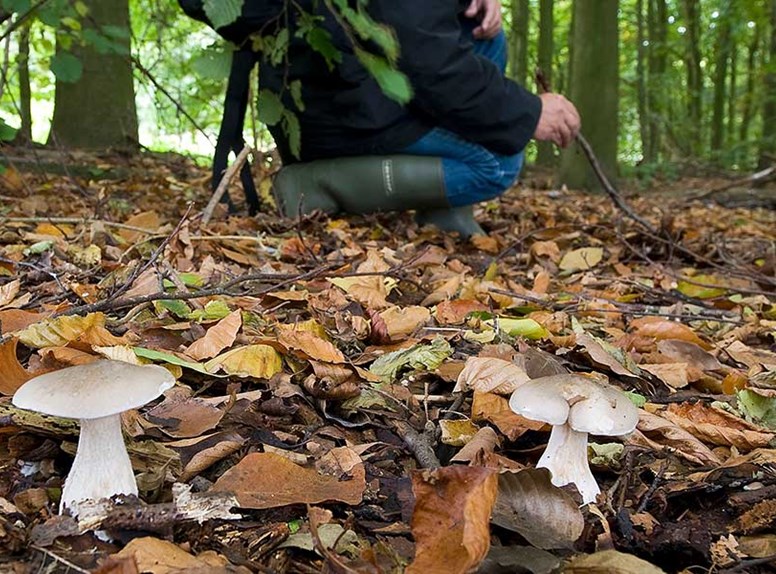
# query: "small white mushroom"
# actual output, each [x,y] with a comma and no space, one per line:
[96,394]
[575,406]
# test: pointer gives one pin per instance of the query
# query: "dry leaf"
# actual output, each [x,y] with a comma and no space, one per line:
[490,375]
[310,345]
[125,565]
[484,442]
[147,220]
[266,480]
[610,562]
[450,522]
[156,556]
[495,409]
[12,374]
[12,320]
[9,291]
[455,312]
[547,249]
[184,417]
[600,355]
[672,374]
[258,361]
[201,453]
[457,432]
[543,514]
[581,259]
[655,432]
[218,337]
[401,322]
[659,328]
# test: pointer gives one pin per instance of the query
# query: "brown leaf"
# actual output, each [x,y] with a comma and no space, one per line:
[401,322]
[218,337]
[760,517]
[495,409]
[484,442]
[672,374]
[147,220]
[310,345]
[457,432]
[655,432]
[547,249]
[455,312]
[718,427]
[156,556]
[601,356]
[490,375]
[201,453]
[758,546]
[12,320]
[581,259]
[543,514]
[690,353]
[9,291]
[659,328]
[66,356]
[125,565]
[369,290]
[184,417]
[450,520]
[12,374]
[610,562]
[266,480]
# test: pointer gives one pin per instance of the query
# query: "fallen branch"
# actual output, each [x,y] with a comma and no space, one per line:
[419,444]
[759,177]
[233,169]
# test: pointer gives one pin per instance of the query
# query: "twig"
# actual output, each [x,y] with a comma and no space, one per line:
[226,180]
[59,559]
[21,19]
[611,191]
[419,444]
[746,564]
[759,177]
[77,221]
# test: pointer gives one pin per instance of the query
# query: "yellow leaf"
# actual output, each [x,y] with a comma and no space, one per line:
[60,331]
[259,361]
[581,259]
[403,321]
[310,345]
[218,337]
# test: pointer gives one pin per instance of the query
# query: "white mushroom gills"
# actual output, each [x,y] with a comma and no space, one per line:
[575,406]
[96,394]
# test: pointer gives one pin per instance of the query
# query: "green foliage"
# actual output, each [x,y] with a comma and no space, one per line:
[392,82]
[213,62]
[222,12]
[7,133]
[270,107]
[66,67]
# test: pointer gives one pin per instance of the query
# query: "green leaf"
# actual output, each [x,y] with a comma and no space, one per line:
[212,63]
[18,6]
[392,82]
[270,107]
[188,279]
[320,41]
[701,287]
[293,132]
[757,408]
[279,48]
[213,311]
[7,133]
[38,248]
[420,356]
[175,306]
[66,67]
[222,12]
[296,93]
[527,328]
[161,356]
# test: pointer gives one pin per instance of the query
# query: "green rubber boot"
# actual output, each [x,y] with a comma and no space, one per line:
[367,184]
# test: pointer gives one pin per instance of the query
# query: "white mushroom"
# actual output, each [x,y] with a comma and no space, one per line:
[96,394]
[575,406]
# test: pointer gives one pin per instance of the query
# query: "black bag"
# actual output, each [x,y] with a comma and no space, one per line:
[255,15]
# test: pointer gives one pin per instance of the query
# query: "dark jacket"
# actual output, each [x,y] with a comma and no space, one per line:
[345,111]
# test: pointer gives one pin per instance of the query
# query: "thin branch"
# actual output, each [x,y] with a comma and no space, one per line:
[226,180]
[21,19]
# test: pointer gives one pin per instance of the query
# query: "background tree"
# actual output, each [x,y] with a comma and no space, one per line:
[94,105]
[594,89]
[768,146]
[546,50]
[518,40]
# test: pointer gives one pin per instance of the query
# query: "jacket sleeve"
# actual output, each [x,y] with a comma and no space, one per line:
[456,88]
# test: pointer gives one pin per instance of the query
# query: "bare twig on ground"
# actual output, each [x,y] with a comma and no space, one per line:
[57,558]
[226,180]
[420,444]
[759,177]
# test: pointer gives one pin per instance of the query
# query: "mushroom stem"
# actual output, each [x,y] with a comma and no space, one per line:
[101,467]
[566,458]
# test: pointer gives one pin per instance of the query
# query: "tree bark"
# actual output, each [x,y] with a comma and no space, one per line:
[657,63]
[641,83]
[723,45]
[518,44]
[751,72]
[768,144]
[694,76]
[546,151]
[25,92]
[594,90]
[98,110]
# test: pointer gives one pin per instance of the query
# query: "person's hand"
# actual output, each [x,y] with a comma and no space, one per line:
[559,121]
[490,13]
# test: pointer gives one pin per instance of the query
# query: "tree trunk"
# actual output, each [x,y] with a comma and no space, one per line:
[98,110]
[518,45]
[720,82]
[594,90]
[768,145]
[694,76]
[25,92]
[641,84]
[546,151]
[748,99]
[657,108]
[732,96]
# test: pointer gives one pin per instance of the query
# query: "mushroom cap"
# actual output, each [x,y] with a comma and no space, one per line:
[586,405]
[93,390]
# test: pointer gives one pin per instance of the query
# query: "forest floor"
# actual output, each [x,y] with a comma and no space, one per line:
[343,383]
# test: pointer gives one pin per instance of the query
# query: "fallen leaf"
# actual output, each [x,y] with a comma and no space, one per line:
[402,322]
[761,546]
[484,442]
[184,417]
[266,480]
[258,361]
[495,409]
[60,331]
[581,259]
[545,515]
[12,374]
[156,556]
[455,312]
[125,565]
[672,374]
[457,432]
[310,345]
[490,375]
[12,320]
[421,356]
[518,560]
[218,337]
[655,432]
[450,519]
[147,220]
[603,354]
[659,328]
[9,291]
[610,562]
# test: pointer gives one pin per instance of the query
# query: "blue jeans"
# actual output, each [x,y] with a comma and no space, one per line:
[471,172]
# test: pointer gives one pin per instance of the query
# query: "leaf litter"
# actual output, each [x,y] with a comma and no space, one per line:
[342,383]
